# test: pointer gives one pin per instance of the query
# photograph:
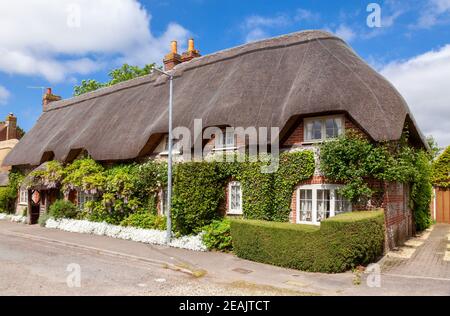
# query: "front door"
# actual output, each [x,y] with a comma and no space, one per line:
[35,207]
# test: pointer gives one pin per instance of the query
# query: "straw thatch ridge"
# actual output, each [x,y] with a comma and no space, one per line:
[265,83]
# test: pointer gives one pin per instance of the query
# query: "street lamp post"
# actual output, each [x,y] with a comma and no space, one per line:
[169,162]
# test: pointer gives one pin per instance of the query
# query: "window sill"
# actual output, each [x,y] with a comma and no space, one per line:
[166,153]
[225,149]
[237,213]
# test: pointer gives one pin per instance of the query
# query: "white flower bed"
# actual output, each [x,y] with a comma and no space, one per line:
[148,236]
[13,218]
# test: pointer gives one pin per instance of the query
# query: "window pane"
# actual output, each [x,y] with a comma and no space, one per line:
[305,206]
[314,130]
[235,198]
[230,139]
[333,127]
[323,204]
[341,204]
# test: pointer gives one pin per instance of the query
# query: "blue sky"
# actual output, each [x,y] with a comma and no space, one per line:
[56,43]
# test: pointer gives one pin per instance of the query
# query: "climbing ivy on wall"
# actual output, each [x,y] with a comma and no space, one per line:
[353,160]
[199,187]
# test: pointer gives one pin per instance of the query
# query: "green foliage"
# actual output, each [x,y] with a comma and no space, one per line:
[43,219]
[8,194]
[63,209]
[434,147]
[421,192]
[149,178]
[145,220]
[352,160]
[197,194]
[87,86]
[84,174]
[294,168]
[217,235]
[341,243]
[124,73]
[441,170]
[50,177]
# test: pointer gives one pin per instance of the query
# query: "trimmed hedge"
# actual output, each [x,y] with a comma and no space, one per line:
[339,244]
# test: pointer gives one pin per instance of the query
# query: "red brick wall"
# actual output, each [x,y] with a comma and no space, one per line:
[398,215]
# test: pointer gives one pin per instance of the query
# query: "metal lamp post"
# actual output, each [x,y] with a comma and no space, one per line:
[169,163]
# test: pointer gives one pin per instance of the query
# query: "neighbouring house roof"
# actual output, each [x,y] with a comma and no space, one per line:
[264,83]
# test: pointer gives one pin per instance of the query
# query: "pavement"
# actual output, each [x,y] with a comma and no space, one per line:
[38,261]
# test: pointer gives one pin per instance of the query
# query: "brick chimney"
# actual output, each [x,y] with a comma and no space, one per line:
[173,58]
[48,98]
[191,52]
[11,126]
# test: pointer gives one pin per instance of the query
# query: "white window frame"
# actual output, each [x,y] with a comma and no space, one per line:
[175,147]
[231,211]
[82,198]
[222,143]
[323,120]
[314,187]
[23,196]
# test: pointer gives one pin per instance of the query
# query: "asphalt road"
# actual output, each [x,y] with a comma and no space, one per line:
[36,267]
[39,261]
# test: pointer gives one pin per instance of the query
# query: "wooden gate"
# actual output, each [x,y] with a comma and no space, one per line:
[442,206]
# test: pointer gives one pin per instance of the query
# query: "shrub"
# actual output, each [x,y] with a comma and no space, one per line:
[63,209]
[8,194]
[441,169]
[339,244]
[197,193]
[145,220]
[43,219]
[218,235]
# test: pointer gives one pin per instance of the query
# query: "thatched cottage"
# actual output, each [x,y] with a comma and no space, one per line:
[310,84]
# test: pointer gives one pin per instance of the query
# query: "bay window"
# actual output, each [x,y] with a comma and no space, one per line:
[318,202]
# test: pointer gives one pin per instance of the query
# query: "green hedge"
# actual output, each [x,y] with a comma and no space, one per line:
[339,244]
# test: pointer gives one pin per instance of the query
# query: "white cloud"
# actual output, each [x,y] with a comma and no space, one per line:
[345,32]
[257,27]
[58,38]
[423,81]
[306,15]
[433,13]
[255,34]
[4,95]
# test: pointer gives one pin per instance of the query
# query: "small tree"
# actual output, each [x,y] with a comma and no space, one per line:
[124,73]
[441,170]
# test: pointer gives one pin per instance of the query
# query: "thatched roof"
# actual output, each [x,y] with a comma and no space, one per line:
[265,83]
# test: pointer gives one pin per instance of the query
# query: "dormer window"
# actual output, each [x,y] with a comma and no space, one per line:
[322,128]
[226,141]
[176,147]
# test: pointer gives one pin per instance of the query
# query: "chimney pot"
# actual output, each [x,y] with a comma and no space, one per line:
[191,46]
[48,98]
[174,46]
